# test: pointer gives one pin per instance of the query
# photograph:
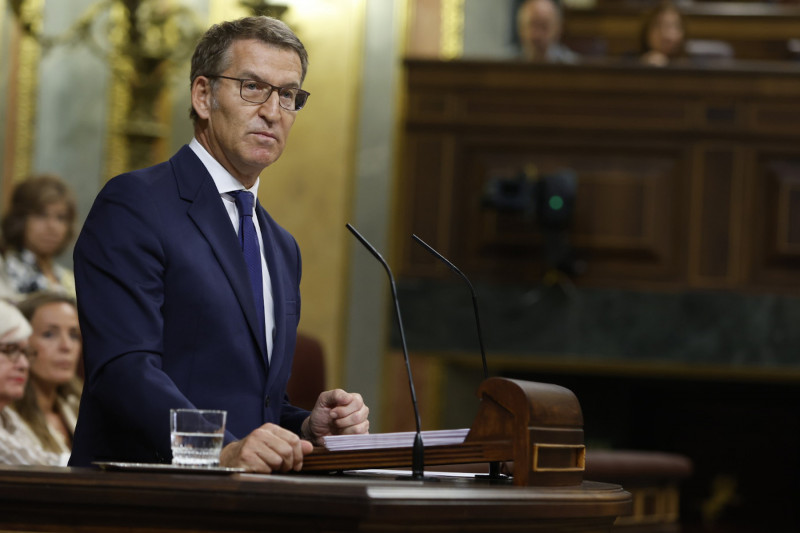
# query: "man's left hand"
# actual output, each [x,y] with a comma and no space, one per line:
[336,413]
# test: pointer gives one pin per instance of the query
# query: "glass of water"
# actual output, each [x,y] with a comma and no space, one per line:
[196,436]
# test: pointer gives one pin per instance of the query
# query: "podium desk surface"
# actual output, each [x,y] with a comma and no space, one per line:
[75,499]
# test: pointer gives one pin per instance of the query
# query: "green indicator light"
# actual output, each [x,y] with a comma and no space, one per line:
[556,203]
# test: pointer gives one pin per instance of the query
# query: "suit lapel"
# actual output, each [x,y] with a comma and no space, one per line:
[208,213]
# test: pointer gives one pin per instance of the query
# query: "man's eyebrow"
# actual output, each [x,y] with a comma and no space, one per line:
[250,75]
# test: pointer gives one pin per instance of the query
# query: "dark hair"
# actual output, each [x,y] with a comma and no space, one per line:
[34,301]
[31,197]
[650,19]
[211,56]
[70,392]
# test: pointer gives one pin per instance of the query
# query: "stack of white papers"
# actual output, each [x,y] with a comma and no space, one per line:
[404,439]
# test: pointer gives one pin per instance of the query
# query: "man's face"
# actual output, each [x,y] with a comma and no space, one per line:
[539,26]
[244,137]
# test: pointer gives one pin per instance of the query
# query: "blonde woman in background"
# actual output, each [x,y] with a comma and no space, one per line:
[37,228]
[18,445]
[50,403]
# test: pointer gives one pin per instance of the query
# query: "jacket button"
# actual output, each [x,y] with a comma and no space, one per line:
[266,402]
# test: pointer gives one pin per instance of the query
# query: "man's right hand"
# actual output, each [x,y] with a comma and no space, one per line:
[267,449]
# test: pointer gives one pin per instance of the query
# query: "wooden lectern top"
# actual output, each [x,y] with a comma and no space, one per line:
[538,426]
[65,500]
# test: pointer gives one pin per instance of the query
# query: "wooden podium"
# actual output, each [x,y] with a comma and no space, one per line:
[537,426]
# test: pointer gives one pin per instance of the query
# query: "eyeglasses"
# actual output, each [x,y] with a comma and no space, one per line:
[14,351]
[258,92]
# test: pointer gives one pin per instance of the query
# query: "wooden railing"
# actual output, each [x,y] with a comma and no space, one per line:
[754,30]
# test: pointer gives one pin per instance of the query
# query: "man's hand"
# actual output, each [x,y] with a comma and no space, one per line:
[267,449]
[336,413]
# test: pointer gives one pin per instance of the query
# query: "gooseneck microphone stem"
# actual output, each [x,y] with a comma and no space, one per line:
[474,298]
[494,466]
[418,450]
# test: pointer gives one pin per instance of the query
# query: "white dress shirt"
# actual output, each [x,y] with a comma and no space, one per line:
[226,183]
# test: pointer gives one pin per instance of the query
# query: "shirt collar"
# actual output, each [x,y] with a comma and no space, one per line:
[224,181]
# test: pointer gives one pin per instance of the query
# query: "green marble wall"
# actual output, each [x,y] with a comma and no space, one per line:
[700,328]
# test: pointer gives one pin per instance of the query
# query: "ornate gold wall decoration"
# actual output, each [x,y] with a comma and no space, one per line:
[119,94]
[452,43]
[147,38]
[2,25]
[25,92]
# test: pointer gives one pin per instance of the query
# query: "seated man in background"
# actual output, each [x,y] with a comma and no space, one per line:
[539,24]
[18,445]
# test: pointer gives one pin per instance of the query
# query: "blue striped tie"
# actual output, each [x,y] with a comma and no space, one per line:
[248,238]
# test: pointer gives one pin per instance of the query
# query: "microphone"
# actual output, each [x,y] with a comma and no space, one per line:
[474,298]
[494,466]
[418,450]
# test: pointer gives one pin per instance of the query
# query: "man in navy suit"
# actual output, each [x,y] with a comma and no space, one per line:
[173,311]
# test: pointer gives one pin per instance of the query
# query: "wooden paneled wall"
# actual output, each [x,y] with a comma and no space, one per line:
[754,30]
[688,177]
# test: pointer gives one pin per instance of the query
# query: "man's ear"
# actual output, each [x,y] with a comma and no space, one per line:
[201,96]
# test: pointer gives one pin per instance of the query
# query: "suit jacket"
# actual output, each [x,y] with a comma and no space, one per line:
[168,317]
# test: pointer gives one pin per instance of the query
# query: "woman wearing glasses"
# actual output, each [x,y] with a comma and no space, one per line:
[50,403]
[18,445]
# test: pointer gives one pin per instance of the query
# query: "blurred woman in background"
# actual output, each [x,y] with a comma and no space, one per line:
[50,403]
[663,35]
[18,445]
[38,226]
